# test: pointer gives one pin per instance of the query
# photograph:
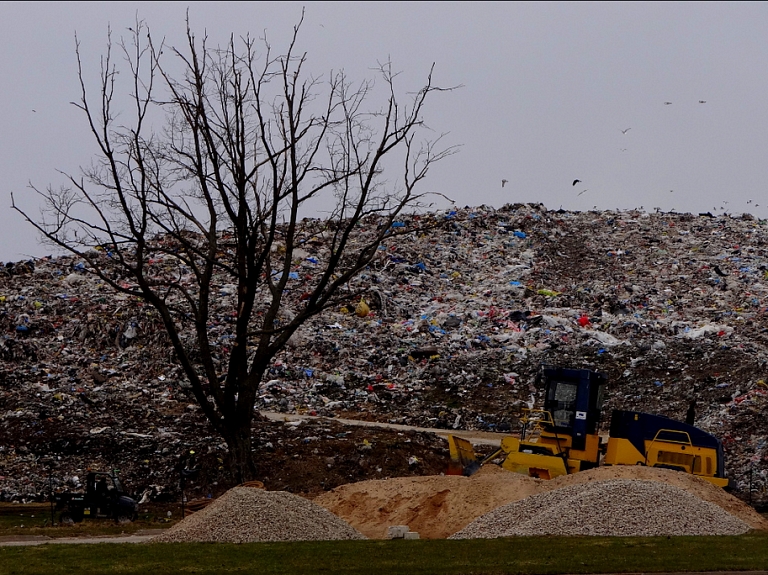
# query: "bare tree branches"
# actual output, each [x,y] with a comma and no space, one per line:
[212,175]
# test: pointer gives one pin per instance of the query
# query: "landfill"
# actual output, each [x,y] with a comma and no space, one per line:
[446,328]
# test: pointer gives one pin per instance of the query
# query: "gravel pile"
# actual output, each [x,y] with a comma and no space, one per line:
[244,514]
[619,507]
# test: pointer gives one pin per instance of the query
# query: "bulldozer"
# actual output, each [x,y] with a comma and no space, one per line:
[563,437]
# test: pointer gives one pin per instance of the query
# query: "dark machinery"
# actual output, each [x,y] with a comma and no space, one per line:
[563,437]
[104,497]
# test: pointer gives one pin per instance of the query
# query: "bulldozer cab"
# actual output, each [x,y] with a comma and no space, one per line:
[574,398]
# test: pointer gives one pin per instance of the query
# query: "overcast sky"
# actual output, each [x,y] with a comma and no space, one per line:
[548,90]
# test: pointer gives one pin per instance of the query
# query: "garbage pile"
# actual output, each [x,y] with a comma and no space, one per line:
[245,515]
[446,329]
[618,507]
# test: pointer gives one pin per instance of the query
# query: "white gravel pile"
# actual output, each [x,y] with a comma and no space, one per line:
[244,514]
[618,507]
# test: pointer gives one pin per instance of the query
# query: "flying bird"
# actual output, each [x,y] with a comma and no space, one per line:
[576,182]
[667,103]
[623,149]
[581,192]
[503,182]
[702,101]
[625,131]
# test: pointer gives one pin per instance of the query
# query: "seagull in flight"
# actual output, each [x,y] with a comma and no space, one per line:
[581,192]
[667,103]
[625,131]
[702,101]
[503,182]
[576,182]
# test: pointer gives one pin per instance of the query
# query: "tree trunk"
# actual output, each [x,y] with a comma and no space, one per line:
[240,459]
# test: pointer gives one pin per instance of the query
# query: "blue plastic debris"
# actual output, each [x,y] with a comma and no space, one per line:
[519,234]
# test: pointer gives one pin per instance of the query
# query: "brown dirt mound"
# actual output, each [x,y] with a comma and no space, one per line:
[438,506]
[435,506]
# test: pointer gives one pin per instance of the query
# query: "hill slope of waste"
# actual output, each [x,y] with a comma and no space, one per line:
[245,514]
[670,306]
[617,507]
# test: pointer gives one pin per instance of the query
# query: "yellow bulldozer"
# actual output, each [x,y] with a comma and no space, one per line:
[563,438]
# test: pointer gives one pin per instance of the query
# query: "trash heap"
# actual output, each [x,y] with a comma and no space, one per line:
[447,328]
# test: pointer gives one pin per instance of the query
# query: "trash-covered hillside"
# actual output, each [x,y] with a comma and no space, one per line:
[456,323]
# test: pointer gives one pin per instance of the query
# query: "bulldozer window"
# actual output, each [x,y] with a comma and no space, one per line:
[566,392]
[565,396]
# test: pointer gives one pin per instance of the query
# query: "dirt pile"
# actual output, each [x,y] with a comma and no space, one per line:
[439,506]
[244,514]
[616,507]
[435,506]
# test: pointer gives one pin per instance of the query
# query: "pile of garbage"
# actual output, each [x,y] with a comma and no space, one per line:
[451,330]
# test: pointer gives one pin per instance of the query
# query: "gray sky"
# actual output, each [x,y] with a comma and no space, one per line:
[548,89]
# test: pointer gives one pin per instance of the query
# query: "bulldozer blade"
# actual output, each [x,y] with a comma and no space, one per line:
[463,459]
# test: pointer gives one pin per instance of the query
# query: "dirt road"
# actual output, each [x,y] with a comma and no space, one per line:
[24,541]
[474,437]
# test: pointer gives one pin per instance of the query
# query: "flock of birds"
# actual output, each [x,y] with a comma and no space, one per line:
[624,132]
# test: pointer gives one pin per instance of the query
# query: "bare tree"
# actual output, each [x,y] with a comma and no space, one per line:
[212,176]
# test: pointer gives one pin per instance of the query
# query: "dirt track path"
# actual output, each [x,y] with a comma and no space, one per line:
[22,541]
[474,437]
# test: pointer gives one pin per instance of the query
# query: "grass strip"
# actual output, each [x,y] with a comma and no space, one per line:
[533,555]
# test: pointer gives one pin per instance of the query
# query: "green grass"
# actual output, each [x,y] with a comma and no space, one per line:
[532,555]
